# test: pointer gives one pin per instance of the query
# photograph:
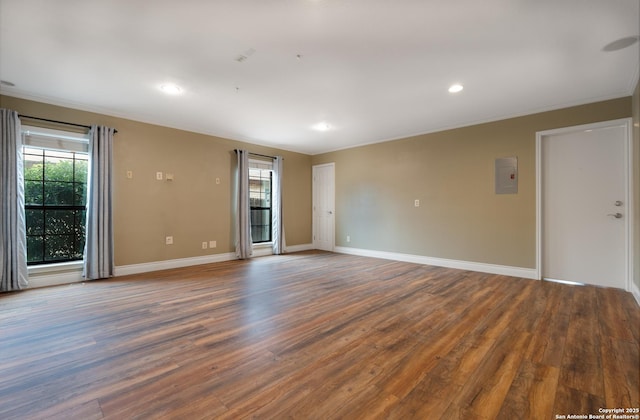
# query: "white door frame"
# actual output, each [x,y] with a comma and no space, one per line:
[313,204]
[629,190]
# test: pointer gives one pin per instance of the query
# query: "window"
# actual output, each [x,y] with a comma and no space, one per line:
[55,189]
[260,176]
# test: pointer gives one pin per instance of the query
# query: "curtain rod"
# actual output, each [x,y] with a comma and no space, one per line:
[257,154]
[88,127]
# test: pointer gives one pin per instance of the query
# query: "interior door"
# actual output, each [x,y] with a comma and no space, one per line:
[584,205]
[324,206]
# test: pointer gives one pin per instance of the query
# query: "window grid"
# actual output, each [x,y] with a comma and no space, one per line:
[55,198]
[260,203]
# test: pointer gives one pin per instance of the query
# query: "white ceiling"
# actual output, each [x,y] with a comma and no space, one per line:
[374,70]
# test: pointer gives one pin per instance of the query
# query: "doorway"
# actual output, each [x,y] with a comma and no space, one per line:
[584,204]
[324,206]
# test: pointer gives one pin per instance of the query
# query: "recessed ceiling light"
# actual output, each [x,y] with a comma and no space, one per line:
[171,89]
[321,126]
[455,88]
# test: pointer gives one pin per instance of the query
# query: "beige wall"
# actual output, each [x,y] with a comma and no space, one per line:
[636,178]
[192,208]
[452,174]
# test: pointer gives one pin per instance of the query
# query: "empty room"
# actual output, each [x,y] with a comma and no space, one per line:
[319,209]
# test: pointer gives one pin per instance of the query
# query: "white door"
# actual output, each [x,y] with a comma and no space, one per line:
[324,206]
[585,208]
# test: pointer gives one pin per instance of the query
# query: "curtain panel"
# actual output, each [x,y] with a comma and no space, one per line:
[99,250]
[277,219]
[13,240]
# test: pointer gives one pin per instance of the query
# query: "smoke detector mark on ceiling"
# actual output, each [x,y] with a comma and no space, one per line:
[621,43]
[245,55]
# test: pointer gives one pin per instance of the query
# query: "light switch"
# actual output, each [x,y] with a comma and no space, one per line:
[416,203]
[159,176]
[129,174]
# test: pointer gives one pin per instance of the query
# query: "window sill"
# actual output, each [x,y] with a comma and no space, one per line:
[263,245]
[55,274]
[55,268]
[263,249]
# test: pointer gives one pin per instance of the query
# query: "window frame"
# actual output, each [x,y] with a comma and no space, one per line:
[51,140]
[262,165]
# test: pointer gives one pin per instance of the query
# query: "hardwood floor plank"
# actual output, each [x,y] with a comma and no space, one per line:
[576,402]
[48,397]
[614,321]
[550,334]
[630,307]
[622,379]
[85,411]
[426,354]
[156,393]
[316,335]
[432,395]
[487,388]
[341,383]
[372,403]
[532,393]
[582,359]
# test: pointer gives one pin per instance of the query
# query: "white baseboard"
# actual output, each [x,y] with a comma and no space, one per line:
[258,251]
[527,273]
[56,275]
[299,248]
[125,270]
[44,279]
[635,291]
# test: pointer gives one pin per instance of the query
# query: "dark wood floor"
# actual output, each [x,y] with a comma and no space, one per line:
[317,335]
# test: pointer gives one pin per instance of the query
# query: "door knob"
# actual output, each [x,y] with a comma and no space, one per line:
[616,215]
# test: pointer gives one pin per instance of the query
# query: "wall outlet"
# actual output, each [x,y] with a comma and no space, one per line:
[168,240]
[212,244]
[217,181]
[129,174]
[348,238]
[204,245]
[416,203]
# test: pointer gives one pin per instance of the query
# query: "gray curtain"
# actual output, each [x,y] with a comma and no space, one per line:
[13,240]
[98,250]
[244,243]
[277,220]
